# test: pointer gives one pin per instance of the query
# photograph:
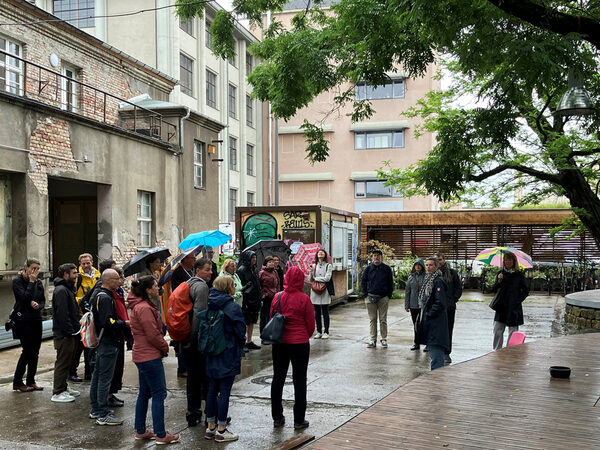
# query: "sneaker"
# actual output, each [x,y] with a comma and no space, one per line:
[73,392]
[252,346]
[75,378]
[426,349]
[325,336]
[108,419]
[95,414]
[146,435]
[225,436]
[246,349]
[448,360]
[415,347]
[168,439]
[210,434]
[318,336]
[63,397]
[301,426]
[278,423]
[384,343]
[372,344]
[263,342]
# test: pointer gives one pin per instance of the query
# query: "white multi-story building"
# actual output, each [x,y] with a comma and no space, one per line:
[210,86]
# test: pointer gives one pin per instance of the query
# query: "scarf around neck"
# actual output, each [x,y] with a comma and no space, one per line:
[427,286]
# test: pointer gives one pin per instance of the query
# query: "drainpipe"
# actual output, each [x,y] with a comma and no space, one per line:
[276,180]
[270,119]
[187,115]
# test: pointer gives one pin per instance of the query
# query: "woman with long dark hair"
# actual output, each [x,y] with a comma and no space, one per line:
[29,303]
[513,290]
[321,271]
[149,347]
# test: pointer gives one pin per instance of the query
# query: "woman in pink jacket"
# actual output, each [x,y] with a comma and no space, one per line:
[295,347]
[149,347]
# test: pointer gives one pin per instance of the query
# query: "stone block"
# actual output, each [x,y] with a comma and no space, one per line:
[596,324]
[580,322]
[576,311]
[587,313]
[597,315]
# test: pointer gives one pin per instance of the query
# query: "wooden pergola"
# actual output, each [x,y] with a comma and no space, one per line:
[461,235]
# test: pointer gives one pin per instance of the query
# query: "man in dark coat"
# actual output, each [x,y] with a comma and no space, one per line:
[454,291]
[65,325]
[433,327]
[513,290]
[250,295]
[377,284]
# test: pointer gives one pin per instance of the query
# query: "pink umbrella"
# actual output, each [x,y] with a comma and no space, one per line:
[305,256]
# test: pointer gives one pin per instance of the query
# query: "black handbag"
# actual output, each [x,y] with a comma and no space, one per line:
[273,330]
[330,287]
[12,321]
[496,301]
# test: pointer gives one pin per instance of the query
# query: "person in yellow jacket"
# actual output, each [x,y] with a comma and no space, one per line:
[87,276]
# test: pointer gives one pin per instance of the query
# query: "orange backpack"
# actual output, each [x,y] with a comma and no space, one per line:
[179,307]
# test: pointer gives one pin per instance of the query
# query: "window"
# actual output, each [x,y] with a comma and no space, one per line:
[11,69]
[207,36]
[250,159]
[393,89]
[186,74]
[211,89]
[144,218]
[232,204]
[233,159]
[374,189]
[187,26]
[234,59]
[250,199]
[199,165]
[232,101]
[249,63]
[77,12]
[249,111]
[70,89]
[378,139]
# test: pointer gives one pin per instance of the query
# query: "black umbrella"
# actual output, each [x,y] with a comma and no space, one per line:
[272,247]
[138,262]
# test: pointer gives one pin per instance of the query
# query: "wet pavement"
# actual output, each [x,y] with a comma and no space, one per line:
[344,378]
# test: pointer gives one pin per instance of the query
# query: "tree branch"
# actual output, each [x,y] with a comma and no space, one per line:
[551,19]
[589,152]
[523,169]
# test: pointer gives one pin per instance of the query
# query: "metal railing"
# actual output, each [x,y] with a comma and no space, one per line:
[31,80]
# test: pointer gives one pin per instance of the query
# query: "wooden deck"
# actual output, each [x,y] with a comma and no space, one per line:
[505,399]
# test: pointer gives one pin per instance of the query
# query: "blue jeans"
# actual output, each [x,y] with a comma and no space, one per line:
[220,406]
[437,355]
[105,358]
[152,385]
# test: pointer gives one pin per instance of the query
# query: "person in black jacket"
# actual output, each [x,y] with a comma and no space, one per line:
[454,291]
[250,295]
[513,290]
[377,285]
[29,302]
[65,325]
[109,330]
[433,325]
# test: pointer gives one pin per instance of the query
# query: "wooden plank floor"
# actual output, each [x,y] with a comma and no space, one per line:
[503,400]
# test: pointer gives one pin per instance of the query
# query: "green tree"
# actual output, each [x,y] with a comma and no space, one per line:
[512,55]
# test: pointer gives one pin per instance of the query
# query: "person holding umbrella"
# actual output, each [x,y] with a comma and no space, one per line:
[512,290]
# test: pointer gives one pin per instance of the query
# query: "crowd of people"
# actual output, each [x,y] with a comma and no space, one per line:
[235,298]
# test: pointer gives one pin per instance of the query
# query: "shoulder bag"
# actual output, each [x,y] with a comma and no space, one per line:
[273,330]
[496,302]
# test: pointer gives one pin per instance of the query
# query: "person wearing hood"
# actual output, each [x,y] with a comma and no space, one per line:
[250,295]
[411,295]
[149,348]
[65,326]
[299,326]
[269,286]
[433,324]
[221,369]
[228,270]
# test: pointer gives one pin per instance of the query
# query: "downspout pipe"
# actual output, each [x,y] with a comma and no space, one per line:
[187,115]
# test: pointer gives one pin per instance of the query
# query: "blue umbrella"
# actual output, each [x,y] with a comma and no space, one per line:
[212,238]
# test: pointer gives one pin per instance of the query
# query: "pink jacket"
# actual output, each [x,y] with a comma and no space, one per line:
[148,340]
[296,307]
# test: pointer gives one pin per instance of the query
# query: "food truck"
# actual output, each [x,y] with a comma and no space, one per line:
[336,230]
